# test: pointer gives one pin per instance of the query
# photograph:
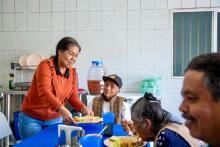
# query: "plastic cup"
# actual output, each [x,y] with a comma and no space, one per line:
[91,140]
[109,118]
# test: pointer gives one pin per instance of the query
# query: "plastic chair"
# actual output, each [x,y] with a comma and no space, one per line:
[5,130]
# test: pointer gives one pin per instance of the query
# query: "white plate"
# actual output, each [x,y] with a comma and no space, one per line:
[33,60]
[108,143]
[91,122]
[22,60]
[88,119]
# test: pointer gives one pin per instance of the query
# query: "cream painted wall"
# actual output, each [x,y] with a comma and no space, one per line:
[132,37]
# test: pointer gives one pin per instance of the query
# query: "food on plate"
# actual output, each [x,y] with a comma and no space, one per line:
[116,141]
[125,141]
[87,119]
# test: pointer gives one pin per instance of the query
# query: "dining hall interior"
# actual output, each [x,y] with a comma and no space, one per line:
[136,47]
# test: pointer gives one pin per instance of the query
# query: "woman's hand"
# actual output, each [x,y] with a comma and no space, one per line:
[67,116]
[86,111]
[128,126]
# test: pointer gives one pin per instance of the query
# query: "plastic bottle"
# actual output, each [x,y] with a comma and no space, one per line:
[103,69]
[94,77]
[103,73]
[11,81]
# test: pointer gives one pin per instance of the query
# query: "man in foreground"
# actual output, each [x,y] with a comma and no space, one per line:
[201,98]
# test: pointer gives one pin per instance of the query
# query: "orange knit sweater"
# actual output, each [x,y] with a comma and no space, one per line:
[49,91]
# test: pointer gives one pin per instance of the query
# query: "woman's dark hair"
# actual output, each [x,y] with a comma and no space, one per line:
[150,107]
[209,64]
[65,43]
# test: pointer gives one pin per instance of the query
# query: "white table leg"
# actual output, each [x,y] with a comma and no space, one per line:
[7,114]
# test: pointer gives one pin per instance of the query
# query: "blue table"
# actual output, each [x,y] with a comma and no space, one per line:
[49,136]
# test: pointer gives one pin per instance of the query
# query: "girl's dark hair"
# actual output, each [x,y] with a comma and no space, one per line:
[65,43]
[150,107]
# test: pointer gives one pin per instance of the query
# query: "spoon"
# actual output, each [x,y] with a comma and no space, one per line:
[130,133]
[102,131]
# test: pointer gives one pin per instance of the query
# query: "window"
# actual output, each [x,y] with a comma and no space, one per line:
[192,36]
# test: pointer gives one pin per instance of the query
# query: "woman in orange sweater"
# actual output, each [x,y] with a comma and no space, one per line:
[54,83]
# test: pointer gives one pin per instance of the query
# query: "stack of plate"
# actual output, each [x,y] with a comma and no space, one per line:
[30,61]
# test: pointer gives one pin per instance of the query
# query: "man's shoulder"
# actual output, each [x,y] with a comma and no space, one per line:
[96,98]
[121,97]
